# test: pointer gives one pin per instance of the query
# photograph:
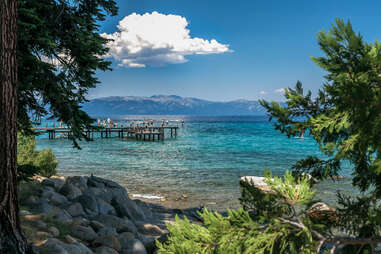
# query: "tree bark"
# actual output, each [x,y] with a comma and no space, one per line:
[11,237]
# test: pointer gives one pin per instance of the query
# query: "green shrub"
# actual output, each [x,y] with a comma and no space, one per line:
[32,162]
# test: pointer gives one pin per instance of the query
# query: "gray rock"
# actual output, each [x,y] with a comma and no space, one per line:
[83,233]
[78,181]
[105,208]
[24,212]
[63,216]
[104,194]
[75,210]
[53,245]
[107,231]
[138,247]
[105,250]
[58,199]
[124,206]
[43,234]
[93,183]
[47,192]
[55,183]
[96,225]
[107,240]
[126,239]
[77,248]
[48,209]
[70,239]
[70,191]
[149,229]
[31,201]
[89,204]
[107,183]
[149,242]
[54,231]
[121,225]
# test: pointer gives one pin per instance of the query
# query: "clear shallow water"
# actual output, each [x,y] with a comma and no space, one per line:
[204,162]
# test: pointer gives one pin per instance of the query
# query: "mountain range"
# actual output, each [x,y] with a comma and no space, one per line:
[169,105]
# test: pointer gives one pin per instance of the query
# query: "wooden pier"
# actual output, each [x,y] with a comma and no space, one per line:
[149,133]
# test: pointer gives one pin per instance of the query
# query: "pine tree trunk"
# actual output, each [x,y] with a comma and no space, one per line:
[11,237]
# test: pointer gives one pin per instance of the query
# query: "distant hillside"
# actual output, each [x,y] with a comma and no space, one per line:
[169,105]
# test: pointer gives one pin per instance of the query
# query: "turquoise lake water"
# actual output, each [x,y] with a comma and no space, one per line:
[204,162]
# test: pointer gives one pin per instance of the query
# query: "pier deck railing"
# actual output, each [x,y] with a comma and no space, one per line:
[149,133]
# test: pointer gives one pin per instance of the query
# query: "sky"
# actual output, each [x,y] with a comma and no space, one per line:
[222,50]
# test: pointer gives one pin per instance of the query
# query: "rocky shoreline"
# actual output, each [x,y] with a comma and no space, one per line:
[89,214]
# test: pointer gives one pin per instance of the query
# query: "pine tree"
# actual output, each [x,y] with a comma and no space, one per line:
[345,120]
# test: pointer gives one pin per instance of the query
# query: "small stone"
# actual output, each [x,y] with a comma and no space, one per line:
[54,231]
[70,239]
[83,233]
[321,211]
[105,250]
[107,231]
[75,210]
[163,199]
[109,241]
[96,225]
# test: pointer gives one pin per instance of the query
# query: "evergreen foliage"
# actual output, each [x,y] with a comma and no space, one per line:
[345,120]
[32,162]
[59,51]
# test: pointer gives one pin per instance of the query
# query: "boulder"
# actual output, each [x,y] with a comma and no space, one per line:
[75,210]
[55,183]
[105,250]
[121,225]
[53,245]
[258,182]
[83,233]
[107,231]
[126,239]
[105,182]
[321,211]
[104,194]
[78,181]
[54,231]
[138,247]
[58,199]
[89,204]
[124,206]
[70,239]
[149,229]
[107,240]
[70,191]
[96,225]
[63,216]
[105,208]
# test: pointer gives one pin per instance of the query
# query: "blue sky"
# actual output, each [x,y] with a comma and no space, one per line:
[261,46]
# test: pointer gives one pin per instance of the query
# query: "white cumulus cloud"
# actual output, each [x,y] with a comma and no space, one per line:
[262,92]
[157,39]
